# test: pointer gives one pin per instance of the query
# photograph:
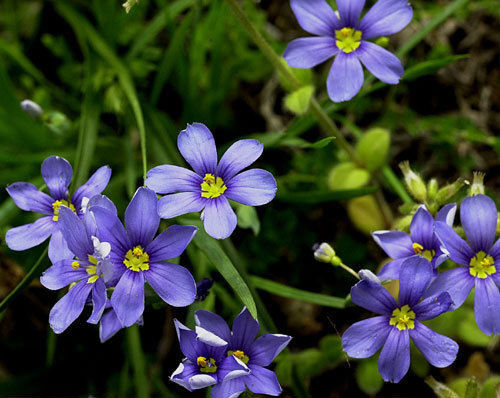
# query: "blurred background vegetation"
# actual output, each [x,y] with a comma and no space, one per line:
[99,73]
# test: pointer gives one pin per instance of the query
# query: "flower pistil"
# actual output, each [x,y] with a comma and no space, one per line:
[137,259]
[348,39]
[206,366]
[403,318]
[419,249]
[57,205]
[240,355]
[212,187]
[482,265]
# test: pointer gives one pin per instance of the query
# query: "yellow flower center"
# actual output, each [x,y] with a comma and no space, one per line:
[91,270]
[240,355]
[482,265]
[206,366]
[419,249]
[348,39]
[57,205]
[403,318]
[137,259]
[212,187]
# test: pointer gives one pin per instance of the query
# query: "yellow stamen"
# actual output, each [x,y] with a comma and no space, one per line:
[482,265]
[212,187]
[206,366]
[240,355]
[75,265]
[348,39]
[403,318]
[91,270]
[137,259]
[93,278]
[92,259]
[419,249]
[57,205]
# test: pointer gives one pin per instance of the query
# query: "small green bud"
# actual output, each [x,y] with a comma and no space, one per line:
[445,194]
[414,183]
[432,189]
[324,252]
[373,147]
[382,41]
[57,122]
[365,214]
[477,186]
[346,175]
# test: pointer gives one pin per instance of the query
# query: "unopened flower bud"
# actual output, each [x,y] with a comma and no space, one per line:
[382,41]
[203,289]
[368,275]
[415,184]
[445,194]
[403,224]
[477,186]
[32,108]
[432,189]
[324,252]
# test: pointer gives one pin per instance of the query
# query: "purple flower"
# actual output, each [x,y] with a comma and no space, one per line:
[86,273]
[138,256]
[422,241]
[212,184]
[480,259]
[242,344]
[398,322]
[346,37]
[57,173]
[205,365]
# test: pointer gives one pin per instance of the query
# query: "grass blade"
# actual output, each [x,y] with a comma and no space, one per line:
[290,292]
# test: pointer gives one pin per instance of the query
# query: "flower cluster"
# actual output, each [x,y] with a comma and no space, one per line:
[228,361]
[344,36]
[425,294]
[96,256]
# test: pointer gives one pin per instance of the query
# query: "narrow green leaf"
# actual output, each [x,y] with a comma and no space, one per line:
[437,20]
[87,136]
[314,197]
[431,66]
[79,23]
[221,261]
[297,294]
[166,14]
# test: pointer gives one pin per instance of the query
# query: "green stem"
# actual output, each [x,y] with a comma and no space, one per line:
[240,265]
[25,282]
[350,270]
[138,362]
[320,115]
[277,62]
